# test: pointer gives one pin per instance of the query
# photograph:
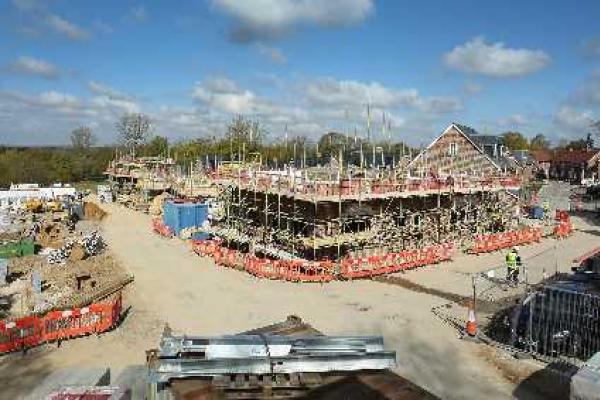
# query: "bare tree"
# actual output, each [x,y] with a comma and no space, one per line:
[133,131]
[245,134]
[245,130]
[82,138]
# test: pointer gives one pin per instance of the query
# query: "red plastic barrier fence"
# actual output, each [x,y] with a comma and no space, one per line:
[503,240]
[562,215]
[159,227]
[323,271]
[563,229]
[366,267]
[30,331]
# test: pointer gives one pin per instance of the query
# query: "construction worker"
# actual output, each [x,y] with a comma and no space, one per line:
[512,266]
[546,207]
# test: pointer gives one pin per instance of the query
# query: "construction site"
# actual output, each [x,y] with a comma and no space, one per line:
[234,279]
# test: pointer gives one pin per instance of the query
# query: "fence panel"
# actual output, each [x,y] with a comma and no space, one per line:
[33,330]
[562,323]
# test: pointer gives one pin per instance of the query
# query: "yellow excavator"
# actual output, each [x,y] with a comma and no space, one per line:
[34,205]
[54,206]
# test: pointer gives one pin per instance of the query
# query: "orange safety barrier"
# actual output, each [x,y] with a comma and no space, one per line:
[296,270]
[562,215]
[159,227]
[323,271]
[393,262]
[563,229]
[204,247]
[503,240]
[21,333]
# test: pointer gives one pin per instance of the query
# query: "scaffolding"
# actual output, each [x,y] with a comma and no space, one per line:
[321,213]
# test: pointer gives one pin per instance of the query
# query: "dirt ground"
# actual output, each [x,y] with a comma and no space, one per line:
[173,285]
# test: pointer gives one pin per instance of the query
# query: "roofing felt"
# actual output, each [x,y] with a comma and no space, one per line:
[467,130]
[487,139]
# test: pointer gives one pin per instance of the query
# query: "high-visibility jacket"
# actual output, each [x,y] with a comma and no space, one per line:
[546,206]
[511,260]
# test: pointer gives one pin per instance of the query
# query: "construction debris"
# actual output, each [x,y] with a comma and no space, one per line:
[89,245]
[92,211]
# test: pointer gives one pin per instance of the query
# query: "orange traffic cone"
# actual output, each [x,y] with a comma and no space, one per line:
[471,328]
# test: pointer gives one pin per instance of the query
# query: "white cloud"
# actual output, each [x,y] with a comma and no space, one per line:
[38,19]
[33,66]
[354,95]
[472,88]
[216,100]
[50,101]
[588,93]
[262,19]
[440,104]
[273,53]
[108,97]
[103,90]
[512,121]
[138,13]
[103,27]
[56,114]
[67,28]
[118,105]
[349,93]
[223,95]
[495,60]
[573,119]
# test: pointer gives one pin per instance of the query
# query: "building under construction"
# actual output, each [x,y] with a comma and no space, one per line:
[450,192]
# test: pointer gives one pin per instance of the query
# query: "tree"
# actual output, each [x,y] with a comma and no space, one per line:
[157,146]
[578,144]
[515,141]
[82,138]
[242,132]
[133,131]
[539,142]
[331,143]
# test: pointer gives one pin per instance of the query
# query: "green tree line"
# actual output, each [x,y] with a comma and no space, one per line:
[244,139]
[49,165]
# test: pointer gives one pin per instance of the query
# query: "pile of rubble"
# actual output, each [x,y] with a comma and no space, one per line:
[80,283]
[74,250]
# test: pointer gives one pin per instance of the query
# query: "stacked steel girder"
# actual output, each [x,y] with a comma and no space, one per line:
[181,357]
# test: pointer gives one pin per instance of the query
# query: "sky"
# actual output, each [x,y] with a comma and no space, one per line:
[309,65]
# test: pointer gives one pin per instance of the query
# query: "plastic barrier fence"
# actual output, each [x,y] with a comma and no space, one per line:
[563,229]
[21,333]
[366,267]
[159,227]
[323,271]
[503,240]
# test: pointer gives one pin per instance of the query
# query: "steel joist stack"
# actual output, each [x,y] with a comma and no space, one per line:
[259,356]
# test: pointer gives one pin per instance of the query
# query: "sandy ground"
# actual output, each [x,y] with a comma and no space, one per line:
[173,285]
[550,255]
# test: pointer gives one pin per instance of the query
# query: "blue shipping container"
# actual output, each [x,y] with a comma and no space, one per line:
[178,216]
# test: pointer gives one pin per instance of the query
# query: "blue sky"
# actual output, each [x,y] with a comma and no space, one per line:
[312,65]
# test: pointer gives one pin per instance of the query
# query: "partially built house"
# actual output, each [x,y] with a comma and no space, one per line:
[450,192]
